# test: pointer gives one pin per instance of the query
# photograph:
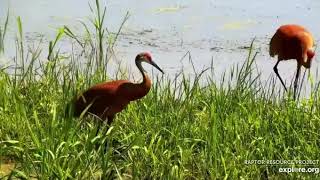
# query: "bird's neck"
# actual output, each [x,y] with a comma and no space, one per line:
[142,71]
[145,85]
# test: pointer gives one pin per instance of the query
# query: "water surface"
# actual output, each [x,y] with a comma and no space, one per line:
[211,30]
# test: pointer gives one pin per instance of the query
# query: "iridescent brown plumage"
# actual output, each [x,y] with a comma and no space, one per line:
[105,100]
[292,42]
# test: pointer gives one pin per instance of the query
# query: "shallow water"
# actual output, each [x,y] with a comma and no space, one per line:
[215,30]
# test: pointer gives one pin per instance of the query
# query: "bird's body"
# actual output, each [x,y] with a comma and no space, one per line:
[292,42]
[107,99]
[110,98]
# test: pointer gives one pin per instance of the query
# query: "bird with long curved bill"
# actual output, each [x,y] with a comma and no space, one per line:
[107,99]
[292,42]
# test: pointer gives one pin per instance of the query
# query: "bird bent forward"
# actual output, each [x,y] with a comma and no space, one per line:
[292,42]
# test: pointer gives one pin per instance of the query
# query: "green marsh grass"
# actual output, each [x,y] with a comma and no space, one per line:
[181,130]
[3,31]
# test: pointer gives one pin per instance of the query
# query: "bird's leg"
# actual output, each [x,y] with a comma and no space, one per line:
[98,129]
[110,120]
[275,69]
[295,85]
[300,88]
[102,118]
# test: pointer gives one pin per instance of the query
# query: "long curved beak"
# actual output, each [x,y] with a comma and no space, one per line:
[156,66]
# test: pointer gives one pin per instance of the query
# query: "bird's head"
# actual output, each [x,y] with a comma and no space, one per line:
[146,57]
[308,59]
[310,54]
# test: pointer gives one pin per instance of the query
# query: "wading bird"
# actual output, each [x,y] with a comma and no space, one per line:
[292,42]
[106,99]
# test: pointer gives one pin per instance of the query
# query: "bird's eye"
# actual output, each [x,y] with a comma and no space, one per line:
[147,57]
